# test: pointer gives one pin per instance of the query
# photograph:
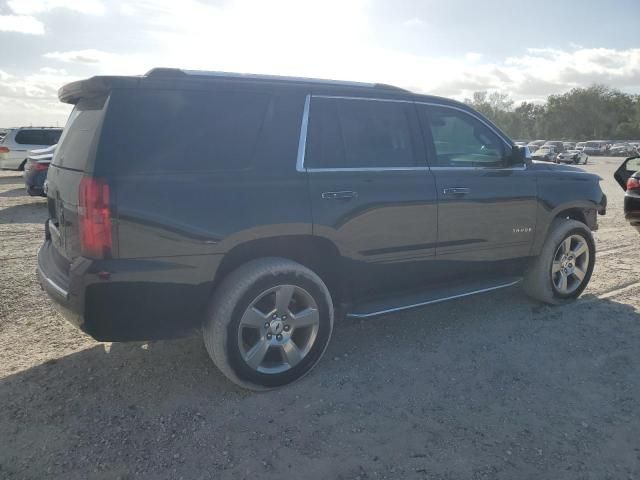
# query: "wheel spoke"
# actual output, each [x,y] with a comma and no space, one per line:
[292,353]
[563,282]
[305,318]
[284,294]
[580,249]
[566,245]
[579,273]
[256,354]
[556,267]
[253,318]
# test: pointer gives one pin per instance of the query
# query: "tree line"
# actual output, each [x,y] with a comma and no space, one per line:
[593,113]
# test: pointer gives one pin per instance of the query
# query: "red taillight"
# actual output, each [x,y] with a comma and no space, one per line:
[39,167]
[4,150]
[633,184]
[94,217]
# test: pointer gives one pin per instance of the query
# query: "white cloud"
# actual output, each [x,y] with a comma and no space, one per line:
[281,37]
[33,7]
[21,24]
[32,99]
[79,56]
[414,22]
[473,56]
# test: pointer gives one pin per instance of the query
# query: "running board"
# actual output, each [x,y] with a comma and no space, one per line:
[437,295]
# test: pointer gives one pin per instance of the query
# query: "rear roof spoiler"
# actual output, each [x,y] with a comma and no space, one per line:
[94,86]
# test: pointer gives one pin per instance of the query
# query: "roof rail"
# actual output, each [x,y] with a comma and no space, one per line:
[174,72]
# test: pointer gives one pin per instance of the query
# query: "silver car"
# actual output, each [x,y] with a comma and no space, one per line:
[17,142]
[572,156]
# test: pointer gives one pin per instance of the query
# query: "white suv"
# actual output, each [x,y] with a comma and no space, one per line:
[17,141]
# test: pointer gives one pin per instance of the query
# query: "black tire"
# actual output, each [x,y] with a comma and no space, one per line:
[21,167]
[234,296]
[538,283]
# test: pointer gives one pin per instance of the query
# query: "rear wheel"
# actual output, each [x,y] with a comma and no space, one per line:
[269,323]
[564,267]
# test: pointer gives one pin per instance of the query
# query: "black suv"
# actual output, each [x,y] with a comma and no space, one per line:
[254,207]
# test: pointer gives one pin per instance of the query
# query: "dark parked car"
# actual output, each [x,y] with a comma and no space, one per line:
[36,168]
[628,177]
[253,207]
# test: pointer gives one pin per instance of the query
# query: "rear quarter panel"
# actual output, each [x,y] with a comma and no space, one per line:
[185,214]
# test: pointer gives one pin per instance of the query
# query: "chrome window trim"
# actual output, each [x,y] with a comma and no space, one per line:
[302,142]
[304,127]
[369,169]
[484,169]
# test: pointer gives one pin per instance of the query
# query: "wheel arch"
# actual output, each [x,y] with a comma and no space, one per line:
[316,253]
[584,212]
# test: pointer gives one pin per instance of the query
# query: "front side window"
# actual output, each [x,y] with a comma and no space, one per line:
[355,133]
[461,140]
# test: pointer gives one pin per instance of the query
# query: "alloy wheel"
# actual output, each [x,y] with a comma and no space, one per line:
[278,329]
[570,264]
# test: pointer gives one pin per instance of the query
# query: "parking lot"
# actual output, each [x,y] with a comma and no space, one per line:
[492,386]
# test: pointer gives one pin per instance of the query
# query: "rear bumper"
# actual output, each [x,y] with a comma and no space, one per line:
[133,299]
[68,299]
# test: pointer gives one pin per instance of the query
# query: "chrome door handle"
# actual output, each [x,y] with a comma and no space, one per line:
[345,195]
[456,191]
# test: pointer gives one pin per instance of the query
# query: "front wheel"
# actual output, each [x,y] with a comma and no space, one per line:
[563,269]
[269,323]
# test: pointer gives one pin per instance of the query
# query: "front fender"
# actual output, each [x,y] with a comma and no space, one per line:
[572,193]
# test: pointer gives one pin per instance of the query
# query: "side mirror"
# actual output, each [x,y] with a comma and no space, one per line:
[520,155]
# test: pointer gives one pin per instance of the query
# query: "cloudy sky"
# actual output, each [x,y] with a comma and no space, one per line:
[529,49]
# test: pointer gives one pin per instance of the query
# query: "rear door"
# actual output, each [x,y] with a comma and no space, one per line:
[73,158]
[372,193]
[487,207]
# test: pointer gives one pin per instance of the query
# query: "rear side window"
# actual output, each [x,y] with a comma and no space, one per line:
[38,137]
[354,133]
[174,131]
[461,140]
[77,142]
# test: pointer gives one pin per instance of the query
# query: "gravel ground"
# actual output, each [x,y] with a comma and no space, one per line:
[492,386]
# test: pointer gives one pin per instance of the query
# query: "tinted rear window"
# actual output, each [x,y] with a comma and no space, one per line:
[78,139]
[174,131]
[348,133]
[38,137]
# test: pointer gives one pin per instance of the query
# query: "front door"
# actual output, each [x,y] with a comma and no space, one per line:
[487,205]
[372,194]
